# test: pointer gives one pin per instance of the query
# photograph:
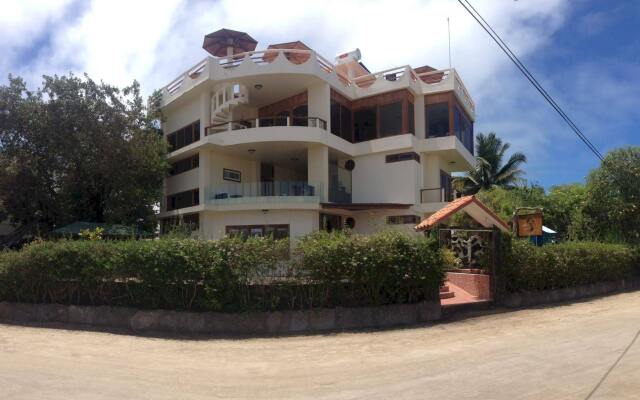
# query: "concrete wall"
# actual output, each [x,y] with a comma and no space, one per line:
[185,181]
[181,116]
[213,323]
[372,221]
[376,181]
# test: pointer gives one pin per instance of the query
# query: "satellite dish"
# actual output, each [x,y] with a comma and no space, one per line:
[350,165]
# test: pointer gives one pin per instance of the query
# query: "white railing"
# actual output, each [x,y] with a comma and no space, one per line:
[461,91]
[391,74]
[192,73]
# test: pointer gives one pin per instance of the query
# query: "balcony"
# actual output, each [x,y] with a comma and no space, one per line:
[263,122]
[437,195]
[266,192]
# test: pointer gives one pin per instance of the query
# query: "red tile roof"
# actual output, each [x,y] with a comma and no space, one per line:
[452,208]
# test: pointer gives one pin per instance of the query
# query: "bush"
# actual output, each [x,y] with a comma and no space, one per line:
[529,268]
[388,267]
[226,275]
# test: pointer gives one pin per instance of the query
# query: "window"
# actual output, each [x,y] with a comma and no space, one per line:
[391,158]
[411,119]
[184,136]
[231,175]
[341,121]
[330,222]
[463,128]
[446,186]
[181,166]
[281,118]
[192,221]
[364,127]
[437,116]
[183,199]
[390,119]
[403,219]
[300,116]
[276,231]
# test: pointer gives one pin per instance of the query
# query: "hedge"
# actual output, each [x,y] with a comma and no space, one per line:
[231,274]
[555,266]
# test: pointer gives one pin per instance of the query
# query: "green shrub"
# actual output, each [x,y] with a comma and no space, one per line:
[529,268]
[388,267]
[231,274]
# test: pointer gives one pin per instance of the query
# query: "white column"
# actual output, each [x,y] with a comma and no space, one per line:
[318,168]
[205,112]
[319,102]
[418,112]
[431,177]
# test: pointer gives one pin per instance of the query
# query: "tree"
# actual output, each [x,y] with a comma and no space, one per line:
[490,171]
[612,204]
[562,210]
[505,201]
[78,150]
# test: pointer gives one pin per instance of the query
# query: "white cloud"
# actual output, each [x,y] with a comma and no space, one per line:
[154,41]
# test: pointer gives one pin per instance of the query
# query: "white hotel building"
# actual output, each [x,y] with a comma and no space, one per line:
[284,141]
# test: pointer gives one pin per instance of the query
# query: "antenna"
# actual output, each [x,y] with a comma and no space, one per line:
[449,34]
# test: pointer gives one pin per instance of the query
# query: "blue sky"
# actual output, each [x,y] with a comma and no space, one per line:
[586,53]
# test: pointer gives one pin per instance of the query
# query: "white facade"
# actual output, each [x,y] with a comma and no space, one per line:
[248,168]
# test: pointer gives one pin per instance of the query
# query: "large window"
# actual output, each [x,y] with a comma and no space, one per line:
[187,164]
[463,128]
[184,136]
[183,199]
[341,121]
[446,186]
[275,231]
[390,119]
[191,221]
[364,127]
[437,116]
[300,116]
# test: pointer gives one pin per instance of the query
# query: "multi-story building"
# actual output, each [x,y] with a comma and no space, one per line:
[284,141]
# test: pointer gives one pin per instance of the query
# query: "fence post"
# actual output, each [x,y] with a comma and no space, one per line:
[496,260]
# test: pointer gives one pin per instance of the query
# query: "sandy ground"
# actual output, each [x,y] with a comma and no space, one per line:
[560,352]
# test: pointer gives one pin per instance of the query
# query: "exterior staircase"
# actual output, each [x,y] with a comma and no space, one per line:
[445,293]
[222,103]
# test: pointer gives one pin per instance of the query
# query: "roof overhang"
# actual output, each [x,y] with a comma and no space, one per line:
[472,207]
[365,206]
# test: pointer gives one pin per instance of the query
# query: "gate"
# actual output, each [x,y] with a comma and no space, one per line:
[476,277]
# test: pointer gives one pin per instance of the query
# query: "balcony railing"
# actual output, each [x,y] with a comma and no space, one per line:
[266,192]
[437,195]
[262,122]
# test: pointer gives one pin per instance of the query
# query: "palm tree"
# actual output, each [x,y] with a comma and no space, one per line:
[489,170]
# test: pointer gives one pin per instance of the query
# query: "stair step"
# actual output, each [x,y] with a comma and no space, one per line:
[446,295]
[444,288]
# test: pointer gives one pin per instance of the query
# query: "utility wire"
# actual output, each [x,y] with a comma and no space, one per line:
[505,48]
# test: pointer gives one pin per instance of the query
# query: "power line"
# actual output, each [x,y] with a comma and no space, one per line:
[505,48]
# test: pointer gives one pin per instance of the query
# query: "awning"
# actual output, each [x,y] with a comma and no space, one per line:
[470,205]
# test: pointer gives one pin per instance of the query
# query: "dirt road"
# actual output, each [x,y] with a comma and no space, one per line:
[561,352]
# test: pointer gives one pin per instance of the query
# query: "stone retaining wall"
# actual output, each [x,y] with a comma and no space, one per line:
[252,323]
[527,299]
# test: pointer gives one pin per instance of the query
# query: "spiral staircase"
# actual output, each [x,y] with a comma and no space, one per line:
[223,102]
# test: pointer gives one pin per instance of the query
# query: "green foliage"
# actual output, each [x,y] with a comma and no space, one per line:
[505,201]
[531,268]
[231,274]
[612,206]
[78,150]
[490,171]
[388,267]
[95,234]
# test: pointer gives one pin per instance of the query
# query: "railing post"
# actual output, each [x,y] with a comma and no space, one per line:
[257,122]
[230,126]
[288,121]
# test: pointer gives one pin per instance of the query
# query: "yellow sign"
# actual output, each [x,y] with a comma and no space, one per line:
[529,225]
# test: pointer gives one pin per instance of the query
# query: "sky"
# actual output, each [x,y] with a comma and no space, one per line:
[585,53]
